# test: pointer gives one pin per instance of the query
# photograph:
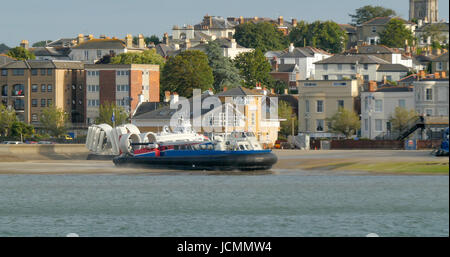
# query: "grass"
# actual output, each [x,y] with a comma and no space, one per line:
[401,167]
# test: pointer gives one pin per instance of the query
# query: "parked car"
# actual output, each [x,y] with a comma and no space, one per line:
[67,137]
[31,142]
[12,142]
[45,142]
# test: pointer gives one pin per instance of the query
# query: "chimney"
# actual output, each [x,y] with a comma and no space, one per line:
[80,39]
[90,37]
[420,23]
[225,89]
[241,20]
[233,43]
[275,64]
[102,36]
[166,38]
[24,44]
[187,43]
[166,96]
[141,42]
[294,22]
[264,91]
[291,48]
[443,74]
[272,91]
[422,74]
[258,85]
[174,97]
[385,80]
[176,46]
[437,75]
[286,91]
[129,41]
[280,20]
[372,86]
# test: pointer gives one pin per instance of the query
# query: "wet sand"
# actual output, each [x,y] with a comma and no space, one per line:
[289,162]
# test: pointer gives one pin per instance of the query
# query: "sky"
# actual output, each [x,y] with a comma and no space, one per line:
[54,19]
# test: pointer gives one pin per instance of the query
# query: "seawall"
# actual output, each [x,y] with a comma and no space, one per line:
[24,152]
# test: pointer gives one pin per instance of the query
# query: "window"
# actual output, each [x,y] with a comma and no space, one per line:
[378,125]
[366,124]
[429,112]
[374,29]
[43,86]
[388,126]
[366,77]
[34,117]
[429,94]
[42,72]
[340,104]
[97,88]
[49,72]
[307,106]
[319,125]
[4,72]
[49,102]
[253,118]
[325,67]
[34,102]
[366,66]
[18,90]
[99,53]
[319,105]
[401,103]
[18,72]
[389,78]
[439,66]
[325,77]
[340,84]
[34,88]
[5,90]
[118,73]
[86,54]
[49,88]
[34,72]
[307,125]
[309,84]
[353,67]
[339,66]
[378,105]
[43,102]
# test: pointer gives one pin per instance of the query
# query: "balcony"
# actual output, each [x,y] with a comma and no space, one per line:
[18,93]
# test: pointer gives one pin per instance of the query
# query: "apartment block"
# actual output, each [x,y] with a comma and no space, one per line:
[126,85]
[30,86]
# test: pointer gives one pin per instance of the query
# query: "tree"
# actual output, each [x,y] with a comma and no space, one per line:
[401,118]
[264,36]
[106,112]
[187,71]
[254,68]
[285,112]
[224,72]
[145,57]
[279,86]
[21,130]
[54,121]
[368,12]
[326,35]
[20,53]
[344,122]
[3,48]
[41,43]
[396,34]
[152,39]
[435,32]
[7,118]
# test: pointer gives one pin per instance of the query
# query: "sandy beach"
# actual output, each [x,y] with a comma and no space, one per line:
[297,161]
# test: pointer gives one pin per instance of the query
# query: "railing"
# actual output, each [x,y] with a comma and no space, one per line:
[411,126]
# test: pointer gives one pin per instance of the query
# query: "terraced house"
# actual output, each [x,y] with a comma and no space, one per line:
[30,86]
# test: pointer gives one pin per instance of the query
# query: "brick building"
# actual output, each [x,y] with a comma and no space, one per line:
[126,85]
[29,86]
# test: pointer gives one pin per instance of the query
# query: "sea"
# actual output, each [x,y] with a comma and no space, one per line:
[272,205]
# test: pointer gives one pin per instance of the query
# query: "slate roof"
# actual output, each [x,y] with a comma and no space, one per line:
[376,49]
[383,21]
[352,59]
[348,28]
[393,68]
[443,26]
[218,22]
[45,64]
[303,52]
[240,91]
[101,44]
[5,59]
[285,68]
[148,107]
[441,58]
[50,51]
[393,89]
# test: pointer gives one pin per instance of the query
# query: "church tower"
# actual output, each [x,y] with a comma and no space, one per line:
[426,10]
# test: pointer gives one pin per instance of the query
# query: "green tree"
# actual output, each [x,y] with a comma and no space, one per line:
[435,32]
[152,39]
[396,34]
[254,68]
[145,57]
[21,130]
[368,12]
[224,72]
[400,119]
[344,122]
[264,36]
[3,48]
[41,43]
[106,112]
[285,112]
[187,71]
[326,35]
[54,121]
[21,53]
[7,118]
[279,86]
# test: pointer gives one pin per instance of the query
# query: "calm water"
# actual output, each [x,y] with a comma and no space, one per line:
[196,205]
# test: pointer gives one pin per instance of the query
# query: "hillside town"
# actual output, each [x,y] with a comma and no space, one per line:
[377,78]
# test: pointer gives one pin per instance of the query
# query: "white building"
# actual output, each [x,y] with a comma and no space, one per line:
[377,107]
[347,66]
[303,57]
[431,97]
